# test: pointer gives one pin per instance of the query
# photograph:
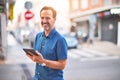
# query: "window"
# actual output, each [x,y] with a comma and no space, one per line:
[116,2]
[75,4]
[84,4]
[94,2]
[107,2]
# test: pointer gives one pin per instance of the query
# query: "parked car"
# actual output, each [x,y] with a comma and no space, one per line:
[71,40]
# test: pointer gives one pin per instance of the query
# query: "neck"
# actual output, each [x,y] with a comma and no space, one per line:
[47,33]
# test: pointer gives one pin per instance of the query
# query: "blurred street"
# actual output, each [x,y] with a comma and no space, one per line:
[91,29]
[15,53]
[81,61]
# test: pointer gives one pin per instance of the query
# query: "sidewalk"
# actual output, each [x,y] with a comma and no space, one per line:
[13,66]
[103,46]
[14,52]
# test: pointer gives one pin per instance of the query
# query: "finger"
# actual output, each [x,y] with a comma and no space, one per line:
[30,53]
[38,53]
[29,56]
[34,59]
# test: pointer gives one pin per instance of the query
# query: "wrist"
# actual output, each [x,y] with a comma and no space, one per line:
[44,62]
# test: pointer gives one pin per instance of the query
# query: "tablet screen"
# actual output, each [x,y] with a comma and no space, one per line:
[30,50]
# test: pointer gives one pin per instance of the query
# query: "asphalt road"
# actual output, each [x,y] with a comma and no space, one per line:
[78,68]
[108,69]
[82,64]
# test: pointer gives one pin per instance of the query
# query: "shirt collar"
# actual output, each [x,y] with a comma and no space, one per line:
[51,33]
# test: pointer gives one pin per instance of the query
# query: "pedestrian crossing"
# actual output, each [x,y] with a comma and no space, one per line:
[88,54]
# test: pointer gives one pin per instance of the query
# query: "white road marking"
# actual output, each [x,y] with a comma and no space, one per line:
[95,52]
[100,58]
[82,53]
[90,55]
[70,54]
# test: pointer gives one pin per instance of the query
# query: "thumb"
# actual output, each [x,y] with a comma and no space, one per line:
[37,52]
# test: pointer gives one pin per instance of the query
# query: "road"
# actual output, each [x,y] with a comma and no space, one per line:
[86,64]
[82,64]
[78,67]
[93,69]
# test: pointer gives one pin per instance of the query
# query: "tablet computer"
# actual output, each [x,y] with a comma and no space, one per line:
[30,50]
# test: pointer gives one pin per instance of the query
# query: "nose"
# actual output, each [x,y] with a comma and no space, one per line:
[44,20]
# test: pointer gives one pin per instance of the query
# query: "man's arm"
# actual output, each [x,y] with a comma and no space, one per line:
[60,64]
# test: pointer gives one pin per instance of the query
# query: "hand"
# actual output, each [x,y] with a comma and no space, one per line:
[39,59]
[29,54]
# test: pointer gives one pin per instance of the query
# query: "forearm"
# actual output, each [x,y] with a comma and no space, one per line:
[55,64]
[60,64]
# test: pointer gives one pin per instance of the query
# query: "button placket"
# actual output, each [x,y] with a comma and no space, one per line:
[43,44]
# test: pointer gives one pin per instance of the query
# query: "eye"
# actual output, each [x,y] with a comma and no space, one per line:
[47,18]
[42,17]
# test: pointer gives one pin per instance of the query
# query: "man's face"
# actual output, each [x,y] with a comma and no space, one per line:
[47,20]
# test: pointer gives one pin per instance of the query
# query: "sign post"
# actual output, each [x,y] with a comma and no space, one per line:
[28,15]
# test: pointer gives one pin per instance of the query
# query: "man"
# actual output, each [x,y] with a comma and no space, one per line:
[51,49]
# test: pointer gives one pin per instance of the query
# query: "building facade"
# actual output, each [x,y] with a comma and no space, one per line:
[98,17]
[4,13]
[3,42]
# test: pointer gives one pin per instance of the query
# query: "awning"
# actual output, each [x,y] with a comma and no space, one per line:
[82,18]
[89,12]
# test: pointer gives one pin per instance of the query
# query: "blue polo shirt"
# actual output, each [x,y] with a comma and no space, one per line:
[53,47]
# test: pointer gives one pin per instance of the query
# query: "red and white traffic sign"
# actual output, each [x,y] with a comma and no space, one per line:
[28,15]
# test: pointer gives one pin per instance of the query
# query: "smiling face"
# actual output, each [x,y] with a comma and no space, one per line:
[47,20]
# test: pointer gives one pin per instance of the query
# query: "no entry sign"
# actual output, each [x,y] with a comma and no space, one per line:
[28,15]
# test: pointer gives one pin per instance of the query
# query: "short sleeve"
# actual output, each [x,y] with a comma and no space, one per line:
[61,49]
